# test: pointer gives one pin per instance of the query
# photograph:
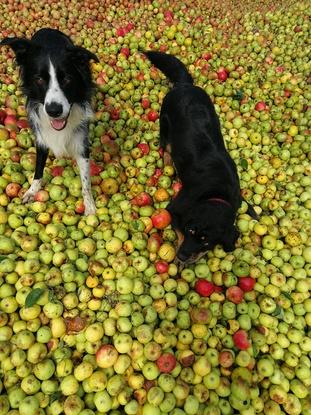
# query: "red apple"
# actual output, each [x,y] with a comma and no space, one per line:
[235,294]
[79,207]
[204,288]
[22,123]
[41,196]
[154,242]
[161,218]
[57,171]
[240,340]
[247,283]
[94,169]
[260,106]
[207,56]
[10,120]
[152,115]
[145,103]
[115,114]
[129,26]
[144,147]
[166,363]
[142,199]
[222,74]
[177,186]
[120,32]
[161,267]
[125,51]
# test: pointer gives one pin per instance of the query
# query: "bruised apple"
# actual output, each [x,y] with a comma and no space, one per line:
[106,356]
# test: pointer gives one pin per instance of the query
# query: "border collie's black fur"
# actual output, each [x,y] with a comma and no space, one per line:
[57,82]
[204,211]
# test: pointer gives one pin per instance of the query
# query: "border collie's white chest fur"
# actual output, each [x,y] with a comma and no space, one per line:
[67,142]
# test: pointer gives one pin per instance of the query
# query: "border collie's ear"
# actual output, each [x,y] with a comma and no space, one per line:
[81,54]
[20,46]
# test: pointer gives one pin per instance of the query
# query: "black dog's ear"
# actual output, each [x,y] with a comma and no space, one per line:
[21,47]
[230,239]
[82,55]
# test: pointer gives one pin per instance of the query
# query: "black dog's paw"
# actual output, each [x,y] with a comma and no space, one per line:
[251,211]
[230,240]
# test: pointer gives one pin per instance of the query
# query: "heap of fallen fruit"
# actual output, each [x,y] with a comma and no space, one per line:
[95,317]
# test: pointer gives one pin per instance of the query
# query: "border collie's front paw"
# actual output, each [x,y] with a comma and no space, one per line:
[29,196]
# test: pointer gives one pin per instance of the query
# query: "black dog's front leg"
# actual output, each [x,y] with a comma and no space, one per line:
[251,211]
[42,154]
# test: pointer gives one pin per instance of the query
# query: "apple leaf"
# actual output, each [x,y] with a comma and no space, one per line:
[278,312]
[244,163]
[33,297]
[55,396]
[255,350]
[239,95]
[2,258]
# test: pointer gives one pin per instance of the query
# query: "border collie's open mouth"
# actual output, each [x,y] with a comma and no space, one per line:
[58,123]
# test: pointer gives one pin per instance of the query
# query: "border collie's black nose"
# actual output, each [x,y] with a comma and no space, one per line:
[54,109]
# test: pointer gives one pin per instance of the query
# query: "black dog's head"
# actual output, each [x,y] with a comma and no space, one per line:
[203,227]
[55,72]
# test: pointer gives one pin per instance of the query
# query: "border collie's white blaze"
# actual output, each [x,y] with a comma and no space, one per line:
[58,86]
[56,105]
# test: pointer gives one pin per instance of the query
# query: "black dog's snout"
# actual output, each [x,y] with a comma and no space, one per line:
[182,256]
[54,109]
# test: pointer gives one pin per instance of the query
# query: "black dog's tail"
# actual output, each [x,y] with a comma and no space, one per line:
[172,67]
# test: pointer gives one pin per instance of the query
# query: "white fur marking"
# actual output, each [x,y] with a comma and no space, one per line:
[67,142]
[55,93]
[88,200]
[32,191]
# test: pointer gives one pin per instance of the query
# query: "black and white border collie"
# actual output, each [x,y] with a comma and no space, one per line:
[57,82]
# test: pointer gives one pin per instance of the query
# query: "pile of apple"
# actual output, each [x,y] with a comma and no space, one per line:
[95,316]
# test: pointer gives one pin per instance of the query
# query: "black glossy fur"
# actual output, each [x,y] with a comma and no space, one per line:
[190,130]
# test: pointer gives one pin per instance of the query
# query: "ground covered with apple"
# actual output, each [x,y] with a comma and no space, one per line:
[95,317]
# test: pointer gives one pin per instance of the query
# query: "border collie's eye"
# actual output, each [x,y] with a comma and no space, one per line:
[39,81]
[67,80]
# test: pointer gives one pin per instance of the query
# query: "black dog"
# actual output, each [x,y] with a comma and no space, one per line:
[204,211]
[56,79]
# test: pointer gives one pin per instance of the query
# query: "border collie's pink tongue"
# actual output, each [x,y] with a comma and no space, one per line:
[58,124]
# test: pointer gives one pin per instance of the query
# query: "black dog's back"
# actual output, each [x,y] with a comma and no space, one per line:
[188,122]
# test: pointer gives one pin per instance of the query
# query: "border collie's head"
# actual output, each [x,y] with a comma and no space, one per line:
[55,72]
